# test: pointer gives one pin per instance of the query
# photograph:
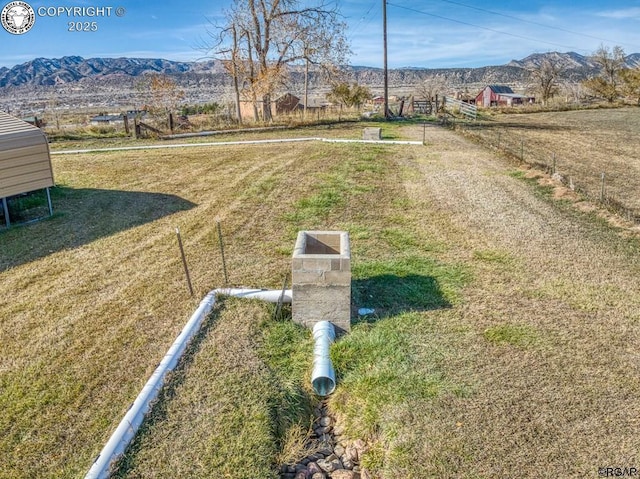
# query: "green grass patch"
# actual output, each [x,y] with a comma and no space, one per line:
[287,350]
[520,335]
[378,367]
[238,395]
[544,191]
[493,256]
[330,194]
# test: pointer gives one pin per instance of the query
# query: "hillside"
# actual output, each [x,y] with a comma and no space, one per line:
[46,72]
[72,82]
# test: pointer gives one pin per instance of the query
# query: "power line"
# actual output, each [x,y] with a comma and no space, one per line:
[485,28]
[358,26]
[512,17]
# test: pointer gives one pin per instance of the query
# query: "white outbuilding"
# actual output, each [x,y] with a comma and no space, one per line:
[25,163]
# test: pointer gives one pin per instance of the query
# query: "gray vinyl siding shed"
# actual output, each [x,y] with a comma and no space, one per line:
[25,164]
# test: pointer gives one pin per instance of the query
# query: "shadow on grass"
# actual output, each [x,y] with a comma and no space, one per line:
[82,215]
[390,294]
[506,126]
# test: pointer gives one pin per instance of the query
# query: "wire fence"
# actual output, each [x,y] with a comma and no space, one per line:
[611,189]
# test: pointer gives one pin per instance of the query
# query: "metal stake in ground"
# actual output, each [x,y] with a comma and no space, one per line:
[602,188]
[224,263]
[277,313]
[184,261]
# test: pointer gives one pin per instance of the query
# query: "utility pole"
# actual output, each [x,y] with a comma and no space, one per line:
[386,70]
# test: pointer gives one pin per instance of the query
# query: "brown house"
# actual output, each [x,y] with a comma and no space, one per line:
[501,95]
[286,104]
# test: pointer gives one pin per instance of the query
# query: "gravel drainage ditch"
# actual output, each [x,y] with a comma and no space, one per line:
[331,454]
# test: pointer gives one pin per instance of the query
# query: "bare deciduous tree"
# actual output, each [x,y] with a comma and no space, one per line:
[325,47]
[611,63]
[631,83]
[262,37]
[572,90]
[546,75]
[165,93]
[432,86]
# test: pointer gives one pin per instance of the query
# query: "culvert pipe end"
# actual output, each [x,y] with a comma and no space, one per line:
[323,377]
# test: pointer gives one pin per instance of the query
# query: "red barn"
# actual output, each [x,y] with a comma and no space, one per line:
[495,95]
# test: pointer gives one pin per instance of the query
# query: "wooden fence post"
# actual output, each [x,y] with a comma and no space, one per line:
[125,118]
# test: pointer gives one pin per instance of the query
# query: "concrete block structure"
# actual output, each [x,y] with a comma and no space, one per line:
[372,134]
[321,279]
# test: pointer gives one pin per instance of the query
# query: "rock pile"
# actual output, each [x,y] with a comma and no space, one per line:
[332,456]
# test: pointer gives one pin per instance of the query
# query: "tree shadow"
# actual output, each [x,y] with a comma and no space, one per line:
[391,294]
[505,125]
[83,215]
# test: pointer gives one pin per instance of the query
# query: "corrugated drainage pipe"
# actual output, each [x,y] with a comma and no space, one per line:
[323,377]
[130,423]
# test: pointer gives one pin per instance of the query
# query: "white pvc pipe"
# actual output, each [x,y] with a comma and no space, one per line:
[379,142]
[271,296]
[233,143]
[130,423]
[323,377]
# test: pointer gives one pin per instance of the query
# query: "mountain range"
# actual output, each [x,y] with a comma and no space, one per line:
[70,69]
[113,84]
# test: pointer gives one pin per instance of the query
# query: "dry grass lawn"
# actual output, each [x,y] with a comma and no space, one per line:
[544,340]
[586,144]
[94,296]
[504,343]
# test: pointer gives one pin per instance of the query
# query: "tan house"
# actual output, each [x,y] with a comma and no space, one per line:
[285,104]
[25,164]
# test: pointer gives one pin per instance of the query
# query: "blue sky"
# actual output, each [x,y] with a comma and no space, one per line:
[430,34]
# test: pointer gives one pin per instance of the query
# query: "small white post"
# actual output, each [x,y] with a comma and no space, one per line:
[49,202]
[6,212]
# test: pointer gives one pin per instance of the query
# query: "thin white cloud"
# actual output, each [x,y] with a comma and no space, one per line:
[178,56]
[623,14]
[162,33]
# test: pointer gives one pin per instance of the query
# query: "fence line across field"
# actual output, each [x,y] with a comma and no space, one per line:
[598,188]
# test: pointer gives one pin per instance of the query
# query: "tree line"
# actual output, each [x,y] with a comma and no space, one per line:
[259,39]
[614,81]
